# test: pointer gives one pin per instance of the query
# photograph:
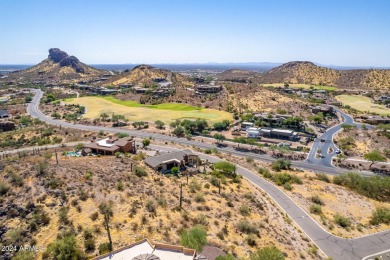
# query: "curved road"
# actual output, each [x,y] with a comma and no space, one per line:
[331,245]
[328,142]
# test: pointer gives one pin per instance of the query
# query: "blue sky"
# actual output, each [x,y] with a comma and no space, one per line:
[353,33]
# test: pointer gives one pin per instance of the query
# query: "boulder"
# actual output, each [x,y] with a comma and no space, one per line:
[72,61]
[57,55]
[6,126]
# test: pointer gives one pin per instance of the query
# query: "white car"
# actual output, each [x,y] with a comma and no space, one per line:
[338,151]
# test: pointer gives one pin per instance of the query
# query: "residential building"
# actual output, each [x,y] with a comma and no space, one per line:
[253,132]
[323,109]
[165,162]
[246,125]
[204,89]
[110,146]
[284,134]
[146,250]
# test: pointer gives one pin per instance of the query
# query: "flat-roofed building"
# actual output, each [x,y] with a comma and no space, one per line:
[203,89]
[146,250]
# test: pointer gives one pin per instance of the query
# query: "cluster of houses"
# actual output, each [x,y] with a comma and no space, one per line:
[305,93]
[383,99]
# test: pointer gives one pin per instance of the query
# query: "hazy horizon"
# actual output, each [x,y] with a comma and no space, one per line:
[348,33]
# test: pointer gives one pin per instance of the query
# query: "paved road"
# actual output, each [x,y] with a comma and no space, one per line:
[34,111]
[328,138]
[336,247]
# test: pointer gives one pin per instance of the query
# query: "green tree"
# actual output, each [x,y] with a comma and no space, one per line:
[281,164]
[178,131]
[195,238]
[159,124]
[226,168]
[219,137]
[106,210]
[28,99]
[104,116]
[145,142]
[375,156]
[64,249]
[267,253]
[175,170]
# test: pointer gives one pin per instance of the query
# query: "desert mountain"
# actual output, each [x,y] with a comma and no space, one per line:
[237,75]
[58,67]
[309,73]
[305,72]
[145,74]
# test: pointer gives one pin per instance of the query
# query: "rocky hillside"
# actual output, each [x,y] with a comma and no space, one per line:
[237,75]
[145,74]
[58,67]
[305,72]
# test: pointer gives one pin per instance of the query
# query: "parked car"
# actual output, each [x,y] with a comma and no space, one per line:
[338,151]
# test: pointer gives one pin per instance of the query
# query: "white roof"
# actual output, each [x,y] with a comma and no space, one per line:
[282,131]
[104,143]
[166,254]
[252,129]
[130,253]
[247,123]
[146,248]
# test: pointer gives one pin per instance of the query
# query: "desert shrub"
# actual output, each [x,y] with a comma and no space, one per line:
[244,210]
[226,168]
[122,135]
[208,151]
[317,200]
[201,220]
[119,185]
[265,172]
[64,248]
[267,253]
[342,221]
[83,195]
[3,188]
[139,171]
[281,164]
[288,186]
[39,218]
[283,178]
[16,179]
[88,175]
[194,186]
[104,248]
[315,209]
[376,187]
[150,206]
[14,236]
[251,240]
[247,227]
[195,238]
[41,167]
[94,216]
[63,215]
[249,159]
[380,215]
[161,201]
[214,181]
[24,255]
[89,244]
[199,197]
[323,177]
